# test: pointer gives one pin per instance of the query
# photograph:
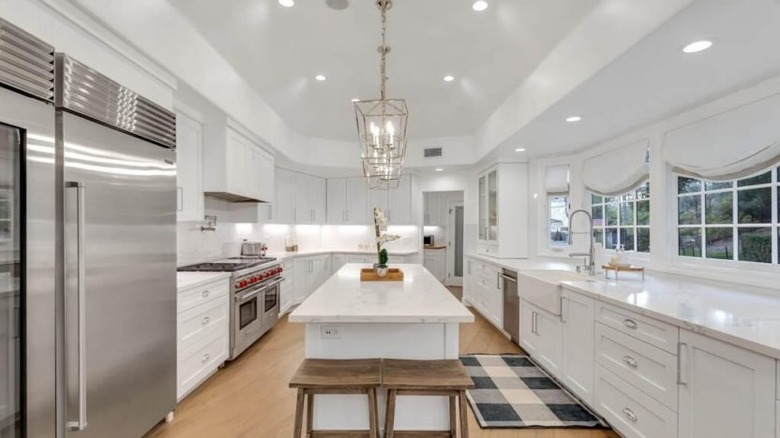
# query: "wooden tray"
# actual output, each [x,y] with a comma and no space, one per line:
[623,268]
[393,274]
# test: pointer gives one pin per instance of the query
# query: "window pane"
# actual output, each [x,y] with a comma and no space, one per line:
[755,206]
[764,178]
[559,221]
[689,210]
[755,245]
[627,213]
[720,243]
[688,185]
[643,213]
[610,238]
[719,208]
[612,214]
[643,239]
[612,199]
[596,199]
[627,238]
[718,185]
[628,196]
[598,215]
[689,242]
[643,192]
[598,236]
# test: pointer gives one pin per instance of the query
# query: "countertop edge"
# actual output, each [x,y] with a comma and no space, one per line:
[355,319]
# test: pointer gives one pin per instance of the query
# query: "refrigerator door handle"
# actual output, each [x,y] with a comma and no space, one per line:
[81,422]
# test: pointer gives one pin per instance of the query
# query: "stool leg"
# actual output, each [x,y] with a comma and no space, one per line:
[390,414]
[373,428]
[453,417]
[309,413]
[299,413]
[464,422]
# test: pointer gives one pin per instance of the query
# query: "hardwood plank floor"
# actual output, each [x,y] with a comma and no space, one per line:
[250,397]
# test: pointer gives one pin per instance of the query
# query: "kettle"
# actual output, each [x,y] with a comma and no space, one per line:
[253,249]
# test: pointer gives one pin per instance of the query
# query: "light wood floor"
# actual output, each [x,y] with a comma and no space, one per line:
[250,397]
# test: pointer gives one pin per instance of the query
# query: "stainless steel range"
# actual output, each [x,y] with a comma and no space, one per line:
[254,297]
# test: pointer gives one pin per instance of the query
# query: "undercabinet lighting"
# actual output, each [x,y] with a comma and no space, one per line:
[439,169]
[573,119]
[480,5]
[697,46]
[320,78]
[520,150]
[287,3]
[449,78]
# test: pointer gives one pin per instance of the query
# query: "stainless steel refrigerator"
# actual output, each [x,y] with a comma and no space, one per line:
[119,254]
[87,249]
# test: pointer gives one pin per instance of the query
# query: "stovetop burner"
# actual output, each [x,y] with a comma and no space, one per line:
[231,264]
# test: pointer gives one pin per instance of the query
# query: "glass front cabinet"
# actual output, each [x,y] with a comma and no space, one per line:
[503,210]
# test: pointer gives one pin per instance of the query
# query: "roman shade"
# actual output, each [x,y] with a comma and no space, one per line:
[557,179]
[617,171]
[729,145]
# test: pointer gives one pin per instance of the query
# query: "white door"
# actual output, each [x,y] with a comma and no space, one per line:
[189,168]
[454,265]
[337,201]
[725,391]
[357,202]
[578,344]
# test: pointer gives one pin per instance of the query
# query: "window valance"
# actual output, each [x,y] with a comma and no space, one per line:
[618,171]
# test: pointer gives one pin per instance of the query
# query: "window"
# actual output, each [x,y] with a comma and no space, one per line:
[731,220]
[623,220]
[559,220]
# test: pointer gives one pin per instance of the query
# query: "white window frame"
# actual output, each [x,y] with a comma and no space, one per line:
[619,227]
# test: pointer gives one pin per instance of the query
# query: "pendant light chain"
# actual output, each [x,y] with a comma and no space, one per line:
[384,5]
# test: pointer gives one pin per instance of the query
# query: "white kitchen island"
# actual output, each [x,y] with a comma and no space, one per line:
[346,318]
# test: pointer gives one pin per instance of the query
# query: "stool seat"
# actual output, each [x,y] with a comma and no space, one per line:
[425,374]
[329,373]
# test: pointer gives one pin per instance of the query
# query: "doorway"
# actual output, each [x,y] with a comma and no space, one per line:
[443,235]
[455,253]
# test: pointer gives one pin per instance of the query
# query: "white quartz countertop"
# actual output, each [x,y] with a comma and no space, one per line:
[536,264]
[741,315]
[186,280]
[420,298]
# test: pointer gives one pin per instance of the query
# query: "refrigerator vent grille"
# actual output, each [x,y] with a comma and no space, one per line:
[26,63]
[84,91]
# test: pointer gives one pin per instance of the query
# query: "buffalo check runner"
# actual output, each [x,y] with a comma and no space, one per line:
[512,392]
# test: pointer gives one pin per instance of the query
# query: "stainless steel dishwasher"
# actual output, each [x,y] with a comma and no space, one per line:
[511,305]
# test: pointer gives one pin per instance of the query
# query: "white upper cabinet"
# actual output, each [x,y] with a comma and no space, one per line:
[347,201]
[399,209]
[189,168]
[238,169]
[282,210]
[503,211]
[310,198]
[433,209]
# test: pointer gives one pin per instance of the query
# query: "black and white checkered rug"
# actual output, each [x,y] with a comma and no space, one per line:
[511,392]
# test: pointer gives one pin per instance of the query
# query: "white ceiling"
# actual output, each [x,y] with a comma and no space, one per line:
[655,80]
[279,50]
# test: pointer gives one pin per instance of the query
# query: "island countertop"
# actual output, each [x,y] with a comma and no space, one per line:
[419,298]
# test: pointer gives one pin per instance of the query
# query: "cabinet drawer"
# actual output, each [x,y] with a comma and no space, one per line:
[650,369]
[196,296]
[195,365]
[652,331]
[202,321]
[629,410]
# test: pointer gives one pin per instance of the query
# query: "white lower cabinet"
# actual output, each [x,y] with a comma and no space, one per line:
[542,333]
[484,290]
[287,288]
[202,333]
[310,273]
[578,367]
[631,412]
[725,391]
[339,260]
[435,261]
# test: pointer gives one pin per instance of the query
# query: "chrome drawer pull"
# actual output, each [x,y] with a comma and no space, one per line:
[630,415]
[630,361]
[206,358]
[205,294]
[630,323]
[206,320]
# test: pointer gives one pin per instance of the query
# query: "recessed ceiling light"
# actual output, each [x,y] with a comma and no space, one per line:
[520,150]
[320,78]
[573,119]
[287,3]
[439,169]
[449,78]
[356,100]
[697,46]
[480,5]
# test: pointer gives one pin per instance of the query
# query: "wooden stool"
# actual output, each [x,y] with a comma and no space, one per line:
[427,377]
[324,376]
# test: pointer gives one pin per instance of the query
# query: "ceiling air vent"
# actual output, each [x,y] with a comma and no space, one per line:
[433,152]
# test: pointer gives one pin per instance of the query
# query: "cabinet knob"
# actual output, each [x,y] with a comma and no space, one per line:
[206,358]
[205,294]
[630,323]
[630,414]
[630,361]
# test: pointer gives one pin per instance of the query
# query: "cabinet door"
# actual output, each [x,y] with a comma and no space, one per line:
[337,201]
[492,231]
[252,171]
[549,330]
[429,261]
[189,169]
[400,202]
[357,202]
[578,344]
[528,338]
[283,207]
[725,391]
[235,162]
[265,178]
[433,209]
[301,283]
[317,199]
[304,214]
[483,206]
